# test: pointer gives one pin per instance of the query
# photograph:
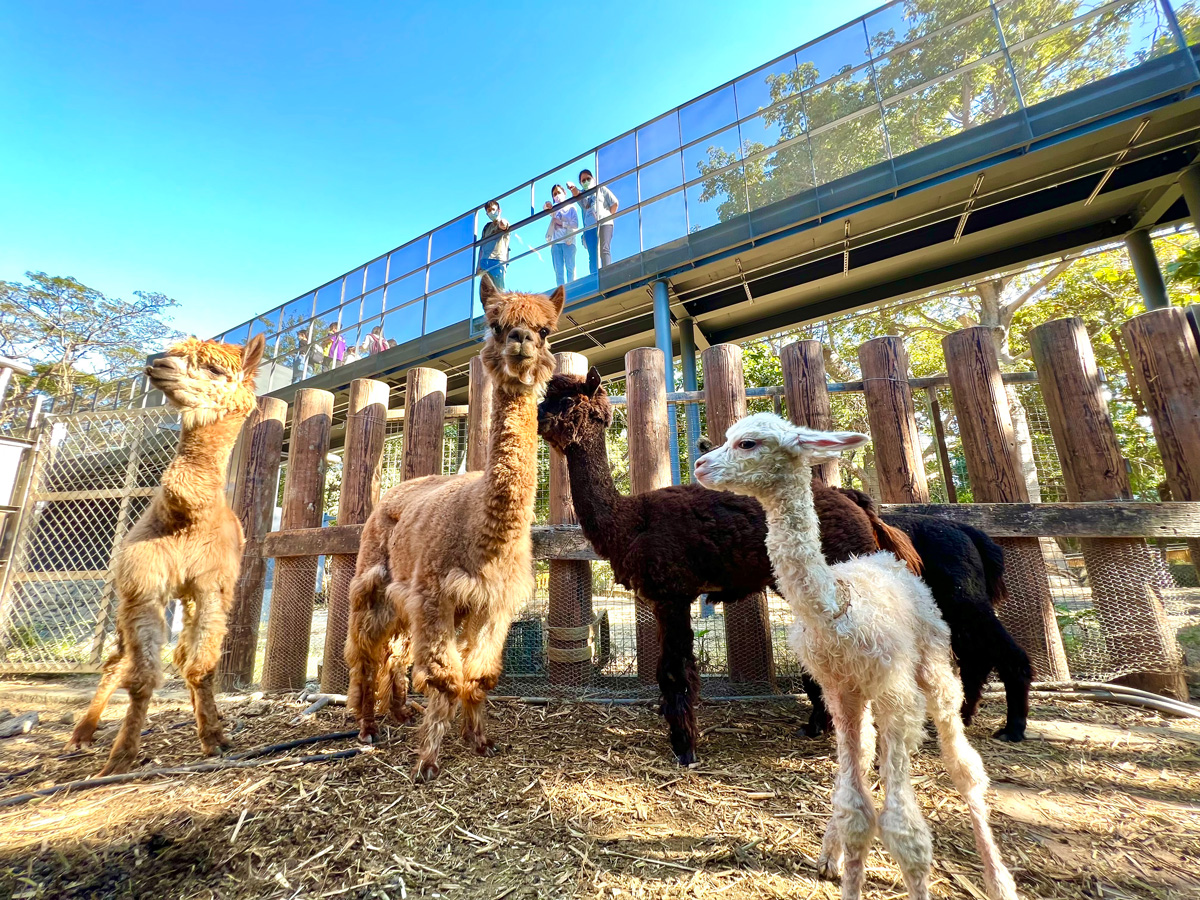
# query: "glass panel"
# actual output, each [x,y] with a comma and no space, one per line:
[329,296]
[840,97]
[1188,14]
[774,176]
[971,98]
[296,312]
[774,126]
[293,344]
[1107,43]
[564,176]
[267,323]
[626,236]
[625,190]
[833,55]
[904,22]
[404,324]
[937,56]
[237,335]
[659,137]
[326,322]
[354,340]
[376,274]
[448,306]
[718,198]
[849,147]
[660,177]
[716,152]
[350,313]
[408,288]
[533,271]
[460,265]
[663,220]
[617,158]
[451,237]
[706,115]
[517,205]
[408,257]
[372,304]
[1022,19]
[529,236]
[371,339]
[354,284]
[768,85]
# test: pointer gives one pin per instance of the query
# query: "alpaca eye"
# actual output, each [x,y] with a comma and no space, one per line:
[747,445]
[545,332]
[496,329]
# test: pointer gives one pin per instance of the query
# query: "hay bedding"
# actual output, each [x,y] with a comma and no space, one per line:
[583,802]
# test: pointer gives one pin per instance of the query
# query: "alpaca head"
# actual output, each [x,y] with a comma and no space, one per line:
[208,380]
[516,351]
[763,450]
[572,408]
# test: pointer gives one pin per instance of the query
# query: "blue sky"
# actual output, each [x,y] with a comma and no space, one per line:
[234,155]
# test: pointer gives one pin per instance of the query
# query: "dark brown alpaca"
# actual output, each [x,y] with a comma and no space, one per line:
[672,544]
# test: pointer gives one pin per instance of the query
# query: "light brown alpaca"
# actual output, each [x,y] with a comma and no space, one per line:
[452,553]
[187,544]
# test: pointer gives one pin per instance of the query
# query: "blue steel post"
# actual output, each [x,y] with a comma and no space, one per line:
[1145,266]
[662,340]
[687,361]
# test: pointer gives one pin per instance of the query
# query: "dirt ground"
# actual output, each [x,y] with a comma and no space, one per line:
[584,801]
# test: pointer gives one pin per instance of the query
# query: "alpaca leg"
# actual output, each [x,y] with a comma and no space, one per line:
[831,843]
[944,697]
[974,673]
[395,684]
[902,828]
[373,621]
[677,676]
[437,672]
[197,655]
[482,663]
[143,631]
[1016,672]
[85,728]
[818,721]
[853,822]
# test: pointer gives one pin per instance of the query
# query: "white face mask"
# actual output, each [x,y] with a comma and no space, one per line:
[558,198]
[492,214]
[586,182]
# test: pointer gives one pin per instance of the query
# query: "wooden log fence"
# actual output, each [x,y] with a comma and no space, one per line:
[1112,529]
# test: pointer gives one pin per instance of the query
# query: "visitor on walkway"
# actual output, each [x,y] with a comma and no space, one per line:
[598,207]
[561,230]
[335,351]
[374,342]
[493,245]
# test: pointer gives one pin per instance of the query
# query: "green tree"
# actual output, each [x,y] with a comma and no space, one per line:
[77,338]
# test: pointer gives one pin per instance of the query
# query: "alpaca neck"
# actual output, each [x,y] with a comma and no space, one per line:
[194,481]
[794,545]
[510,480]
[593,492]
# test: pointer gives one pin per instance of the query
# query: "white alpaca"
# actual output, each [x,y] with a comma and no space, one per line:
[869,631]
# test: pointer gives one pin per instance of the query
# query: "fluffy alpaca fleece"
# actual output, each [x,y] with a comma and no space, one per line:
[869,630]
[445,560]
[672,544]
[187,544]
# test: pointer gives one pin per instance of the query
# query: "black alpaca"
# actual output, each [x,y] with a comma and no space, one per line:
[675,543]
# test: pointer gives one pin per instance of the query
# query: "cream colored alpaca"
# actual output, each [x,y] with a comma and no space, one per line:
[869,631]
[187,544]
[445,560]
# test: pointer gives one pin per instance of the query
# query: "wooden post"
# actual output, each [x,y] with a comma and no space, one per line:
[1121,570]
[254,493]
[808,398]
[990,447]
[569,616]
[289,621]
[1166,367]
[479,416]
[747,621]
[366,430]
[424,415]
[893,421]
[649,469]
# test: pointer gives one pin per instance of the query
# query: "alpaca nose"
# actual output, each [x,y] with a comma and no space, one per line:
[520,335]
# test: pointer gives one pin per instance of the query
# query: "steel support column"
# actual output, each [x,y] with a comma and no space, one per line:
[687,361]
[662,340]
[1145,266]
[1189,183]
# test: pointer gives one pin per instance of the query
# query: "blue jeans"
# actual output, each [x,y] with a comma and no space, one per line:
[564,262]
[496,269]
[598,243]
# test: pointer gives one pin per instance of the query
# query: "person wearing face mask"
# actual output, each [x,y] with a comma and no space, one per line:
[598,207]
[493,245]
[561,230]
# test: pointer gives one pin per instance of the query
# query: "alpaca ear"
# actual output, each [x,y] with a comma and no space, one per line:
[703,444]
[826,444]
[252,353]
[593,381]
[557,299]
[489,294]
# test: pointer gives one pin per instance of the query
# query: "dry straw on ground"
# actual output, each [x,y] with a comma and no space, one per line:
[585,802]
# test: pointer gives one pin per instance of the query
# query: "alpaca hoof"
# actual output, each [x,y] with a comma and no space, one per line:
[426,772]
[828,869]
[117,765]
[1010,734]
[74,745]
[812,729]
[486,748]
[368,734]
[686,758]
[215,748]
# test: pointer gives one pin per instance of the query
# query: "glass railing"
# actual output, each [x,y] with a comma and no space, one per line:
[907,91]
